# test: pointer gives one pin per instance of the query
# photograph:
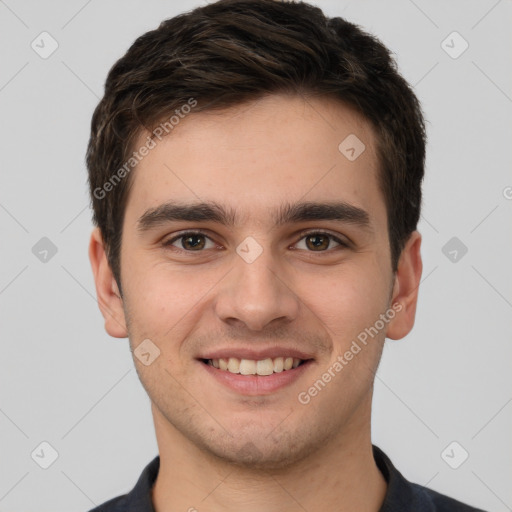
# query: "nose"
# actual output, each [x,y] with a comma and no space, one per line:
[256,294]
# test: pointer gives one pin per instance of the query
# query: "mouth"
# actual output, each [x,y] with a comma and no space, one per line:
[261,367]
[255,372]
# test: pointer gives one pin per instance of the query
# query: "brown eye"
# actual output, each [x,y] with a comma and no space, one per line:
[193,242]
[319,242]
[190,242]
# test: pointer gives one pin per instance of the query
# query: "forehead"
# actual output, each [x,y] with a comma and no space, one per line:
[258,155]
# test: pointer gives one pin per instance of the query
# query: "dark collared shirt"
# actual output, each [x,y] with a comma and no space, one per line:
[401,495]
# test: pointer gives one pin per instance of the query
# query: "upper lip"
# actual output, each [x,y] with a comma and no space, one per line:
[256,355]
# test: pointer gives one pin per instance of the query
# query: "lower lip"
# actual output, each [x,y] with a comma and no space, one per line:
[254,385]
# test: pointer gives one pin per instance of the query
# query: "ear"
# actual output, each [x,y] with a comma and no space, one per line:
[405,289]
[109,298]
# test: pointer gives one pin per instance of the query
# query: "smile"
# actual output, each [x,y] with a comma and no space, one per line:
[262,367]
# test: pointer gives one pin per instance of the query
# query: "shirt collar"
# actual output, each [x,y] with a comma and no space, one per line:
[400,495]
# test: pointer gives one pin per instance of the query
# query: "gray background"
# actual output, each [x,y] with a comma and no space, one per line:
[66,382]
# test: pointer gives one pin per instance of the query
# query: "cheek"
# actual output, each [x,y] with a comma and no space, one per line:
[352,302]
[164,301]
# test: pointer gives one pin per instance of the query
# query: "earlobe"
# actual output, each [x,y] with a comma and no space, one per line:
[107,291]
[405,289]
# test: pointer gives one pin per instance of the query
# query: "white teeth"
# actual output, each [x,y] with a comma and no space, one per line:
[278,364]
[265,367]
[251,367]
[247,367]
[234,365]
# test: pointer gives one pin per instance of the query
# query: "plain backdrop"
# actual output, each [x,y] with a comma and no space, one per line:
[65,382]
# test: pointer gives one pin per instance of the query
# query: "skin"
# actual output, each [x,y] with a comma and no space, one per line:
[220,449]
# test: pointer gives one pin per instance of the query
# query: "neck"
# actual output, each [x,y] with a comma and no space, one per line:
[343,477]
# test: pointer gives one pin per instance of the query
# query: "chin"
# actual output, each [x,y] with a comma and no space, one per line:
[263,451]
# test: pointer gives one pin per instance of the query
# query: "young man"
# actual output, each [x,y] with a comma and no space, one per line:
[255,171]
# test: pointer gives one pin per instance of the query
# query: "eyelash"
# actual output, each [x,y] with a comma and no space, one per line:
[302,234]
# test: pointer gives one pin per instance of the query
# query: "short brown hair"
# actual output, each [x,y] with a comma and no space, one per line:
[233,51]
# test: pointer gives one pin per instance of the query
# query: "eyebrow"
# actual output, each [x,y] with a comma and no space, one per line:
[285,214]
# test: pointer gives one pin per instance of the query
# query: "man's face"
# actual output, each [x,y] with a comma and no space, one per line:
[255,288]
